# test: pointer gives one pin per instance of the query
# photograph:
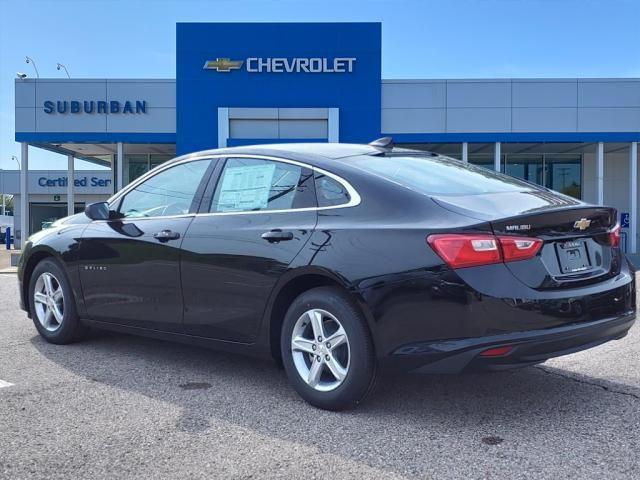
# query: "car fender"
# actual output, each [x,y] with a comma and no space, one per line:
[323,277]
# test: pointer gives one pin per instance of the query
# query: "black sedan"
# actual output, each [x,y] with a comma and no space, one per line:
[337,261]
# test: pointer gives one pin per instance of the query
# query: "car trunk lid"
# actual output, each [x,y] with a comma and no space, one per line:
[576,249]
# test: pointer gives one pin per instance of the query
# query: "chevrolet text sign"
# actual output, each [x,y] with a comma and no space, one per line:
[284,65]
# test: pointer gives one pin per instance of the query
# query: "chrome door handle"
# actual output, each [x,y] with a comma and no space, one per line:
[166,235]
[277,235]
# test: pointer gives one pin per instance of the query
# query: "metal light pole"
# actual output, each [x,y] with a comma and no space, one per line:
[30,60]
[61,66]
[3,202]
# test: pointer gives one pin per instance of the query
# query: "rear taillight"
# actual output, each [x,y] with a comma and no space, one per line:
[519,248]
[614,236]
[462,250]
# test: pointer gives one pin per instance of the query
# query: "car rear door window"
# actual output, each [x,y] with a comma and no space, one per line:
[330,192]
[169,192]
[251,184]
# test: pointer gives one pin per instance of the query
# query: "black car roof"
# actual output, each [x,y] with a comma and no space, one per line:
[331,151]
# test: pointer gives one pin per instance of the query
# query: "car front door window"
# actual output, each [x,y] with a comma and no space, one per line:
[168,193]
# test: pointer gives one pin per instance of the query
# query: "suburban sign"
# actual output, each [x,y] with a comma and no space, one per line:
[284,65]
[95,106]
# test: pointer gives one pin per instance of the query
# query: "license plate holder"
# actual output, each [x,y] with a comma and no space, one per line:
[573,256]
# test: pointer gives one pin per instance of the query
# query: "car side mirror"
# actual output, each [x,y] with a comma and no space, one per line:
[97,211]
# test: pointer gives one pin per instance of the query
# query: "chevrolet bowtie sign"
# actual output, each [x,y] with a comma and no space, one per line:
[283,65]
[223,64]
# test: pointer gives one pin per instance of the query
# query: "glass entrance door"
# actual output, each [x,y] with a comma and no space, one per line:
[559,172]
[563,173]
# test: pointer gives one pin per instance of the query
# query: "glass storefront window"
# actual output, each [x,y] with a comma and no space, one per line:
[157,159]
[524,166]
[42,215]
[137,164]
[564,174]
[482,160]
[557,171]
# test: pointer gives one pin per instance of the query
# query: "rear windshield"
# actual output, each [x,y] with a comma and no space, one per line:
[439,175]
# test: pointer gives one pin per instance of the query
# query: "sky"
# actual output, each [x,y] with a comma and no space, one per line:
[421,39]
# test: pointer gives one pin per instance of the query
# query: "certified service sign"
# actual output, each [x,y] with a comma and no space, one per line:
[284,65]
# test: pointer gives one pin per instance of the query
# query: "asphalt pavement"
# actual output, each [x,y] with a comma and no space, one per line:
[119,406]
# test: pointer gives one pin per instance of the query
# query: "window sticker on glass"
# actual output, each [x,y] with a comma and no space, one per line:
[246,187]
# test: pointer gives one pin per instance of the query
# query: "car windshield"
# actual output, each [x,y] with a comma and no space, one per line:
[439,175]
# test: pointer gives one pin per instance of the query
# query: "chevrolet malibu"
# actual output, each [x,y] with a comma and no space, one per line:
[337,261]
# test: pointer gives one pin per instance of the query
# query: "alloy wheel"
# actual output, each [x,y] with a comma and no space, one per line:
[48,298]
[320,349]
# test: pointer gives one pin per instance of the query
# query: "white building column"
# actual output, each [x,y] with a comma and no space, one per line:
[333,125]
[119,166]
[24,193]
[633,197]
[600,174]
[496,157]
[465,152]
[70,185]
[223,126]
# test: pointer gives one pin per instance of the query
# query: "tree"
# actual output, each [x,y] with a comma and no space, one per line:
[8,204]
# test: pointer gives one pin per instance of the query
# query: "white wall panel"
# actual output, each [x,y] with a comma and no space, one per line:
[616,181]
[58,122]
[157,93]
[469,120]
[156,120]
[303,128]
[544,93]
[25,94]
[414,95]
[611,93]
[303,113]
[478,93]
[70,90]
[544,120]
[25,119]
[609,119]
[413,120]
[241,128]
[254,113]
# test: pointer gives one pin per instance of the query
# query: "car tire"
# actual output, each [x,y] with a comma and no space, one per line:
[52,304]
[347,369]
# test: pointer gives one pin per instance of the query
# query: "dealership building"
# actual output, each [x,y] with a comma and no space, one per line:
[249,83]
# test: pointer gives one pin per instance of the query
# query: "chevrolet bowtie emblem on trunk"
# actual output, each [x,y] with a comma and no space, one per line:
[223,64]
[582,224]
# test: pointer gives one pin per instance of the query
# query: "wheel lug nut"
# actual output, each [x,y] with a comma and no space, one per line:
[319,339]
[328,345]
[319,358]
[326,357]
[313,347]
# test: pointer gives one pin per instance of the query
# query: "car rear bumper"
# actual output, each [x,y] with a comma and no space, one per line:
[528,348]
